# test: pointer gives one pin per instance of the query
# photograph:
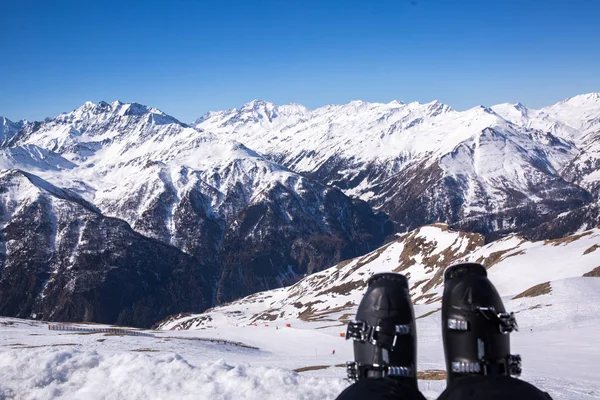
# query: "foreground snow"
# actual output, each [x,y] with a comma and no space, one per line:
[77,374]
[558,342]
[40,364]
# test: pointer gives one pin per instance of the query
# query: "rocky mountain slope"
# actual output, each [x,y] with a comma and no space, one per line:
[519,268]
[247,223]
[485,169]
[63,260]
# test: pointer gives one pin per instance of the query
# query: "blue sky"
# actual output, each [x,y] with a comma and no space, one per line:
[190,56]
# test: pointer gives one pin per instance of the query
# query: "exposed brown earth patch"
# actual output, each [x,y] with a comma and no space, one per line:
[413,245]
[437,279]
[345,318]
[264,317]
[427,314]
[434,300]
[497,256]
[534,291]
[345,288]
[425,298]
[342,264]
[311,314]
[567,239]
[432,375]
[591,249]
[595,273]
[417,284]
[17,346]
[439,261]
[311,368]
[329,326]
[145,350]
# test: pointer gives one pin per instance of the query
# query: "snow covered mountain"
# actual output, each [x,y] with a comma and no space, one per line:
[256,220]
[484,169]
[248,223]
[570,119]
[63,260]
[519,268]
[8,129]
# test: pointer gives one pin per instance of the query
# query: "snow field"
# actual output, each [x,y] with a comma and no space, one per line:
[75,374]
[557,340]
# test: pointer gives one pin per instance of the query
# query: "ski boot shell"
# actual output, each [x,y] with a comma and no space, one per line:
[384,331]
[475,325]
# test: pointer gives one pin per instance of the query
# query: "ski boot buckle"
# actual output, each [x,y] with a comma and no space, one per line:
[363,332]
[356,370]
[511,365]
[506,321]
[358,330]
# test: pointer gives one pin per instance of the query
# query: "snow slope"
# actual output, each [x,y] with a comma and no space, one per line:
[422,255]
[42,364]
[553,286]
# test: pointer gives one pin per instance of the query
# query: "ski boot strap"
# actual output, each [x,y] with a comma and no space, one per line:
[506,321]
[358,370]
[376,335]
[511,365]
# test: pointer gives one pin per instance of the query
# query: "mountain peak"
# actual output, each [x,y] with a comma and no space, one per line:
[580,100]
[9,128]
[588,96]
[256,104]
[90,110]
[519,106]
[356,103]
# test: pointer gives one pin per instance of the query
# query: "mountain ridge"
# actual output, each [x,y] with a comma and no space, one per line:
[369,150]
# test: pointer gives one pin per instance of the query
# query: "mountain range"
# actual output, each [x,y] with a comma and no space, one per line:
[73,185]
[493,169]
[120,213]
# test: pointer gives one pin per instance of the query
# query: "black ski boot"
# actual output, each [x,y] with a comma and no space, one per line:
[384,332]
[475,325]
